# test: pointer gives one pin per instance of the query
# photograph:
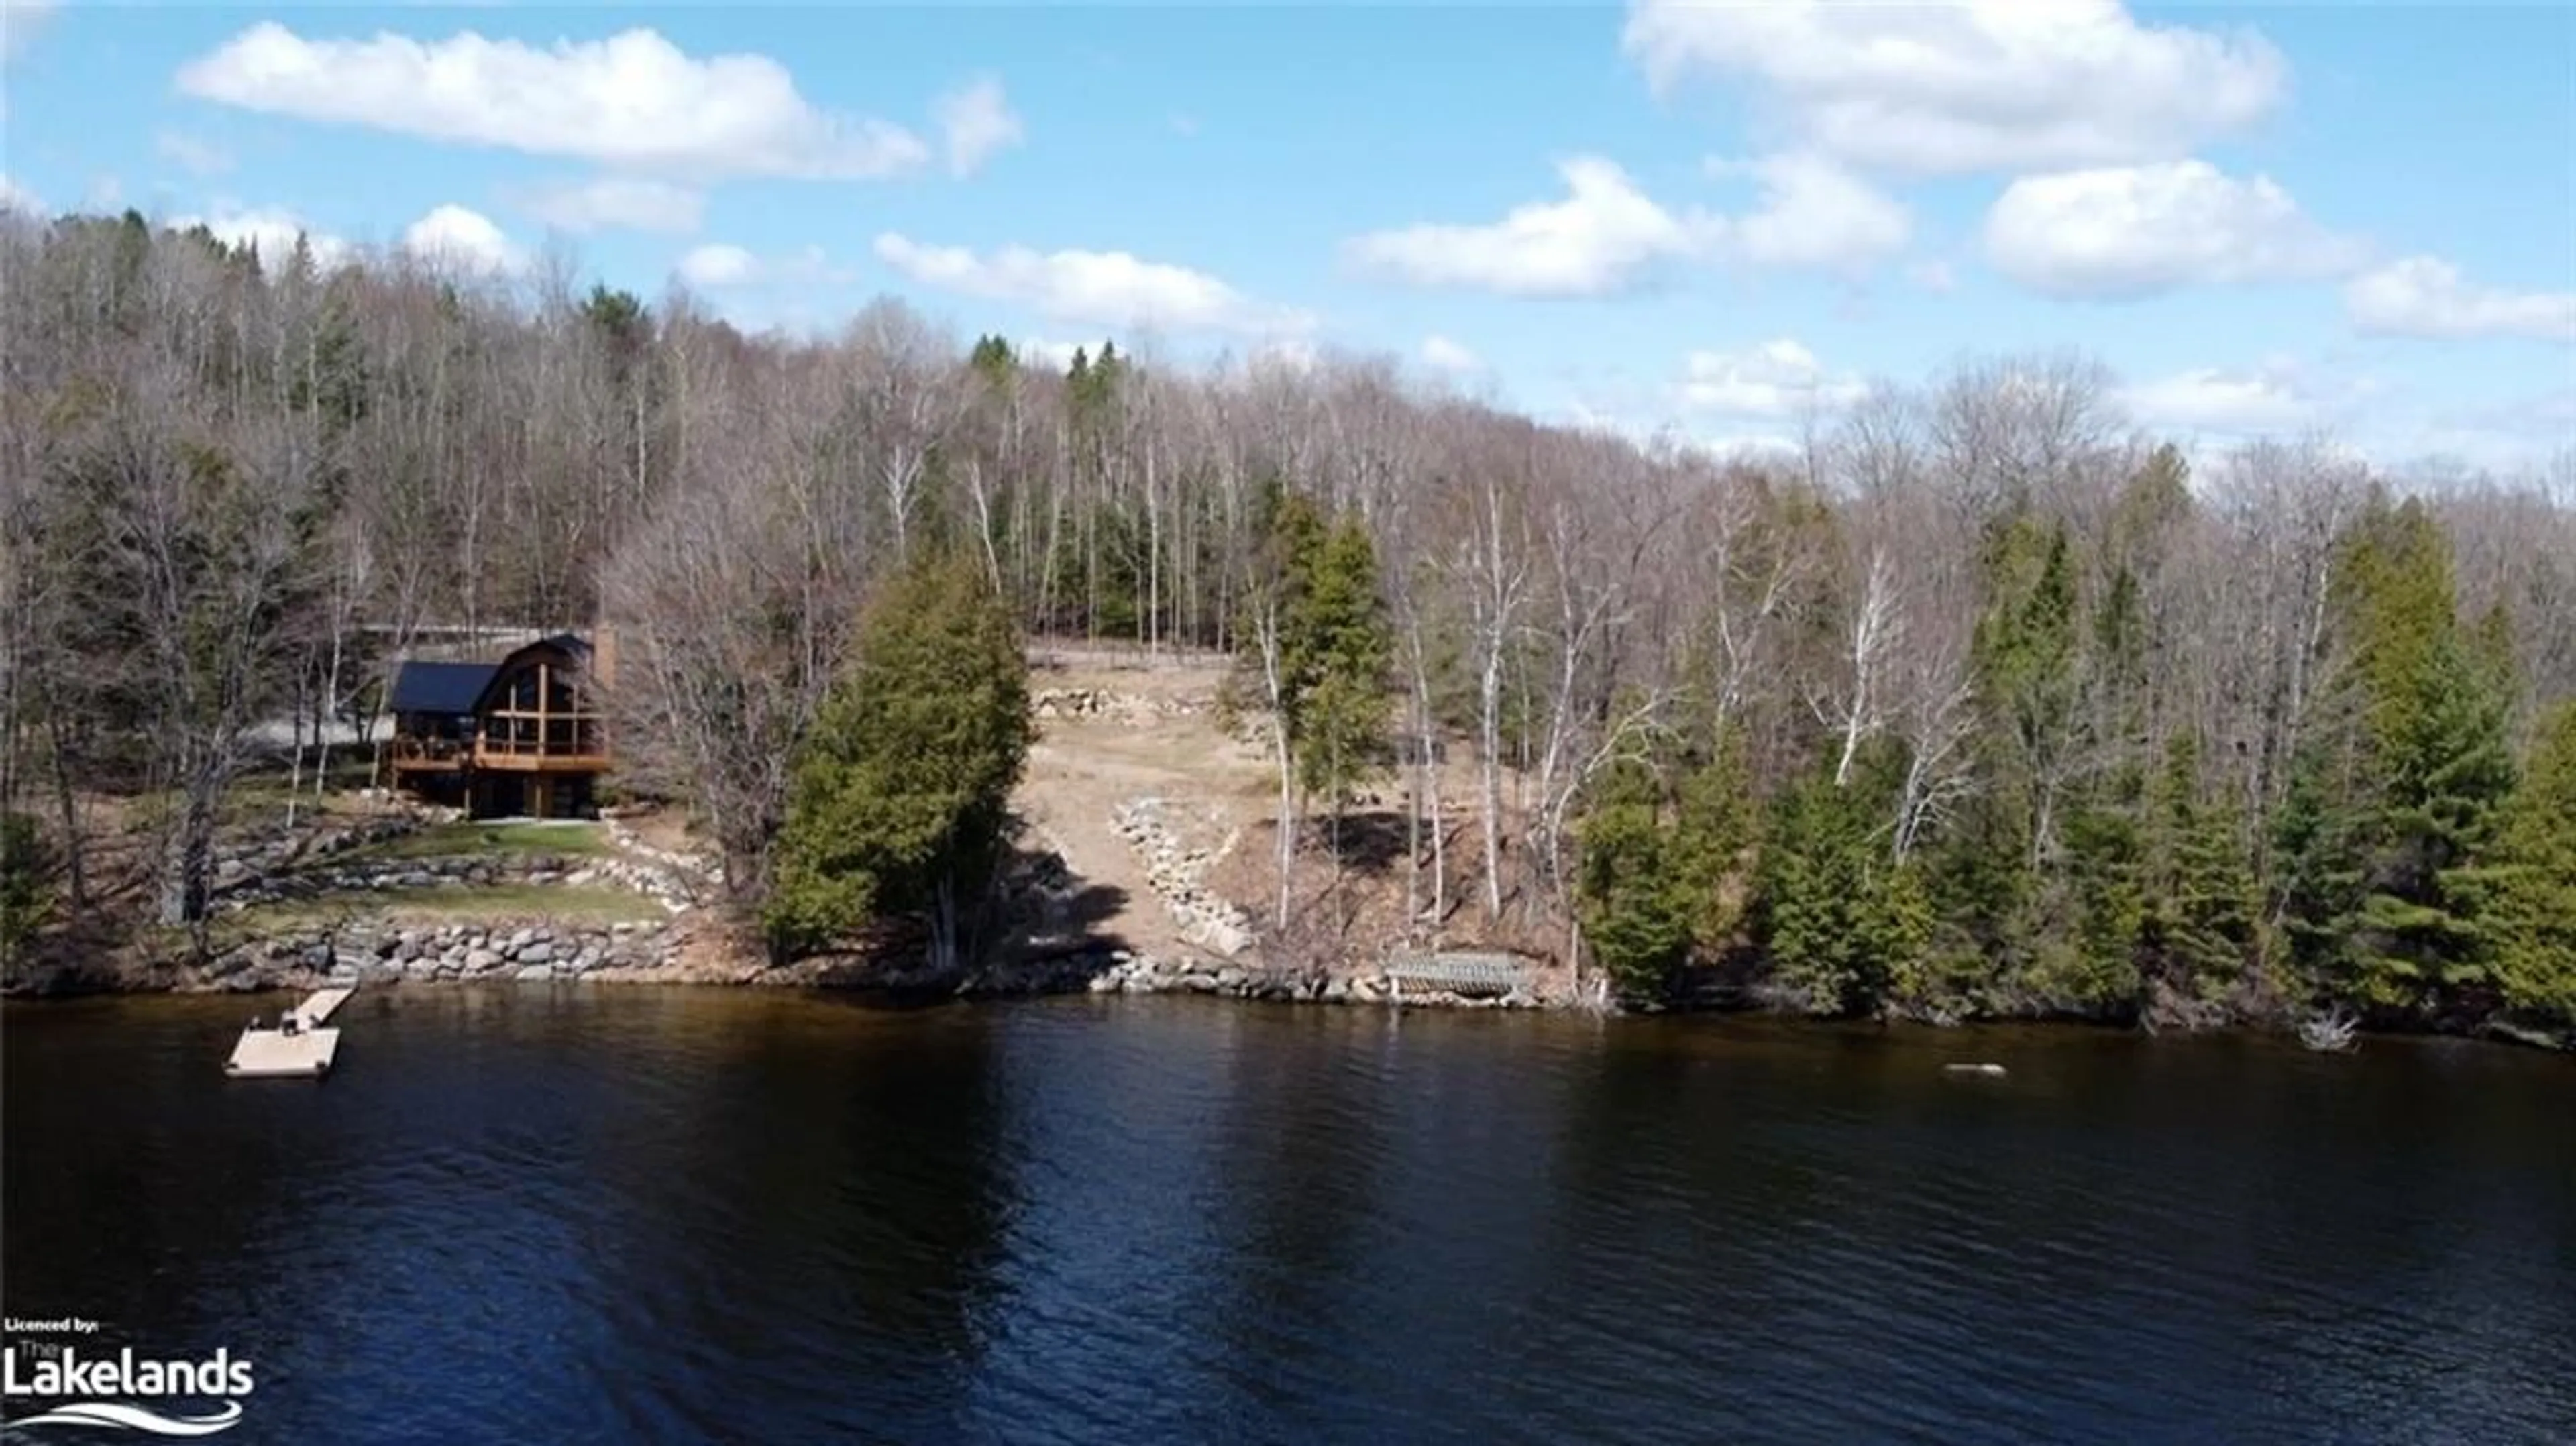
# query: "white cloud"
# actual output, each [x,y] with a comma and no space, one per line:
[2523,433]
[270,232]
[618,203]
[468,240]
[975,123]
[2131,231]
[2428,297]
[1933,276]
[633,99]
[1604,237]
[1641,427]
[198,157]
[1985,85]
[1102,288]
[1448,356]
[718,266]
[1608,236]
[1814,212]
[2240,403]
[14,197]
[19,22]
[1776,380]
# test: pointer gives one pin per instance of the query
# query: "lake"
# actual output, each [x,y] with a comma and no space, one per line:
[558,1214]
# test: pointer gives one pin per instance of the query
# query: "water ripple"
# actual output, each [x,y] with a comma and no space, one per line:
[530,1214]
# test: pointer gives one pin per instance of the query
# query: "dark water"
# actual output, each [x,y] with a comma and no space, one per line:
[637,1215]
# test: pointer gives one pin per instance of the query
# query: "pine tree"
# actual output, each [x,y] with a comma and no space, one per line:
[1634,887]
[2376,827]
[1985,872]
[1842,924]
[1339,650]
[1713,824]
[2446,766]
[2525,887]
[900,802]
[25,893]
[2320,869]
[993,362]
[2201,917]
[2089,967]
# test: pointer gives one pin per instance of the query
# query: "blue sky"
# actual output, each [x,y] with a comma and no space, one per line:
[1721,220]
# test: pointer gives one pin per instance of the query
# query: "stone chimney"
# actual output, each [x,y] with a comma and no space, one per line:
[603,656]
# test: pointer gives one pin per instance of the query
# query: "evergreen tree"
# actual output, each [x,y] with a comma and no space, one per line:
[2383,814]
[333,380]
[1985,872]
[2199,927]
[993,361]
[2320,871]
[2089,967]
[25,895]
[620,319]
[1634,887]
[1339,649]
[900,801]
[1713,825]
[1318,584]
[2525,889]
[1842,924]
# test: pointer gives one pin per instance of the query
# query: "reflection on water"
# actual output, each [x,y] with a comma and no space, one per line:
[532,1214]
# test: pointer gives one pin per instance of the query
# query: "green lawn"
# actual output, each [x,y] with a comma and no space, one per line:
[584,904]
[481,840]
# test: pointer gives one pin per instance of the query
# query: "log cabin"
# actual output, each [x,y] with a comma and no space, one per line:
[521,737]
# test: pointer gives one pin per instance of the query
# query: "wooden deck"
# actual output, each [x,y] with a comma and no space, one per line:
[308,1053]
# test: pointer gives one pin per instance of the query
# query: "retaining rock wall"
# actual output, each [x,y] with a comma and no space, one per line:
[380,953]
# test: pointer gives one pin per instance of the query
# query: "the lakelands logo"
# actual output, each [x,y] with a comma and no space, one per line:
[81,1386]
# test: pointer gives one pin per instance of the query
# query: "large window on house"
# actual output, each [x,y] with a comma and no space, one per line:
[541,708]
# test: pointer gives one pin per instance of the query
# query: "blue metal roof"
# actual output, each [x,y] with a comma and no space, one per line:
[441,687]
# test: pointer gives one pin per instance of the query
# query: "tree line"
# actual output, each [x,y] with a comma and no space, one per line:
[1981,701]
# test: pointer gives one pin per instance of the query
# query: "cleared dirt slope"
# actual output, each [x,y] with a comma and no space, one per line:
[1115,727]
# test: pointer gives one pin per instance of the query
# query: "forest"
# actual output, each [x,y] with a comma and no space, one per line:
[1982,702]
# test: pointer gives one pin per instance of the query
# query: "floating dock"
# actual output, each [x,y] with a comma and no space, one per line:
[305,1052]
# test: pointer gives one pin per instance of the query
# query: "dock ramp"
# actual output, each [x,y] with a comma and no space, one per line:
[1464,974]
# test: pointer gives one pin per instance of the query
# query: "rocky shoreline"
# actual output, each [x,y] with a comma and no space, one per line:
[1141,975]
[386,953]
[542,951]
[539,951]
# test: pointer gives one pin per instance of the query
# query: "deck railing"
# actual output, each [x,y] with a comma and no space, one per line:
[427,750]
[585,745]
